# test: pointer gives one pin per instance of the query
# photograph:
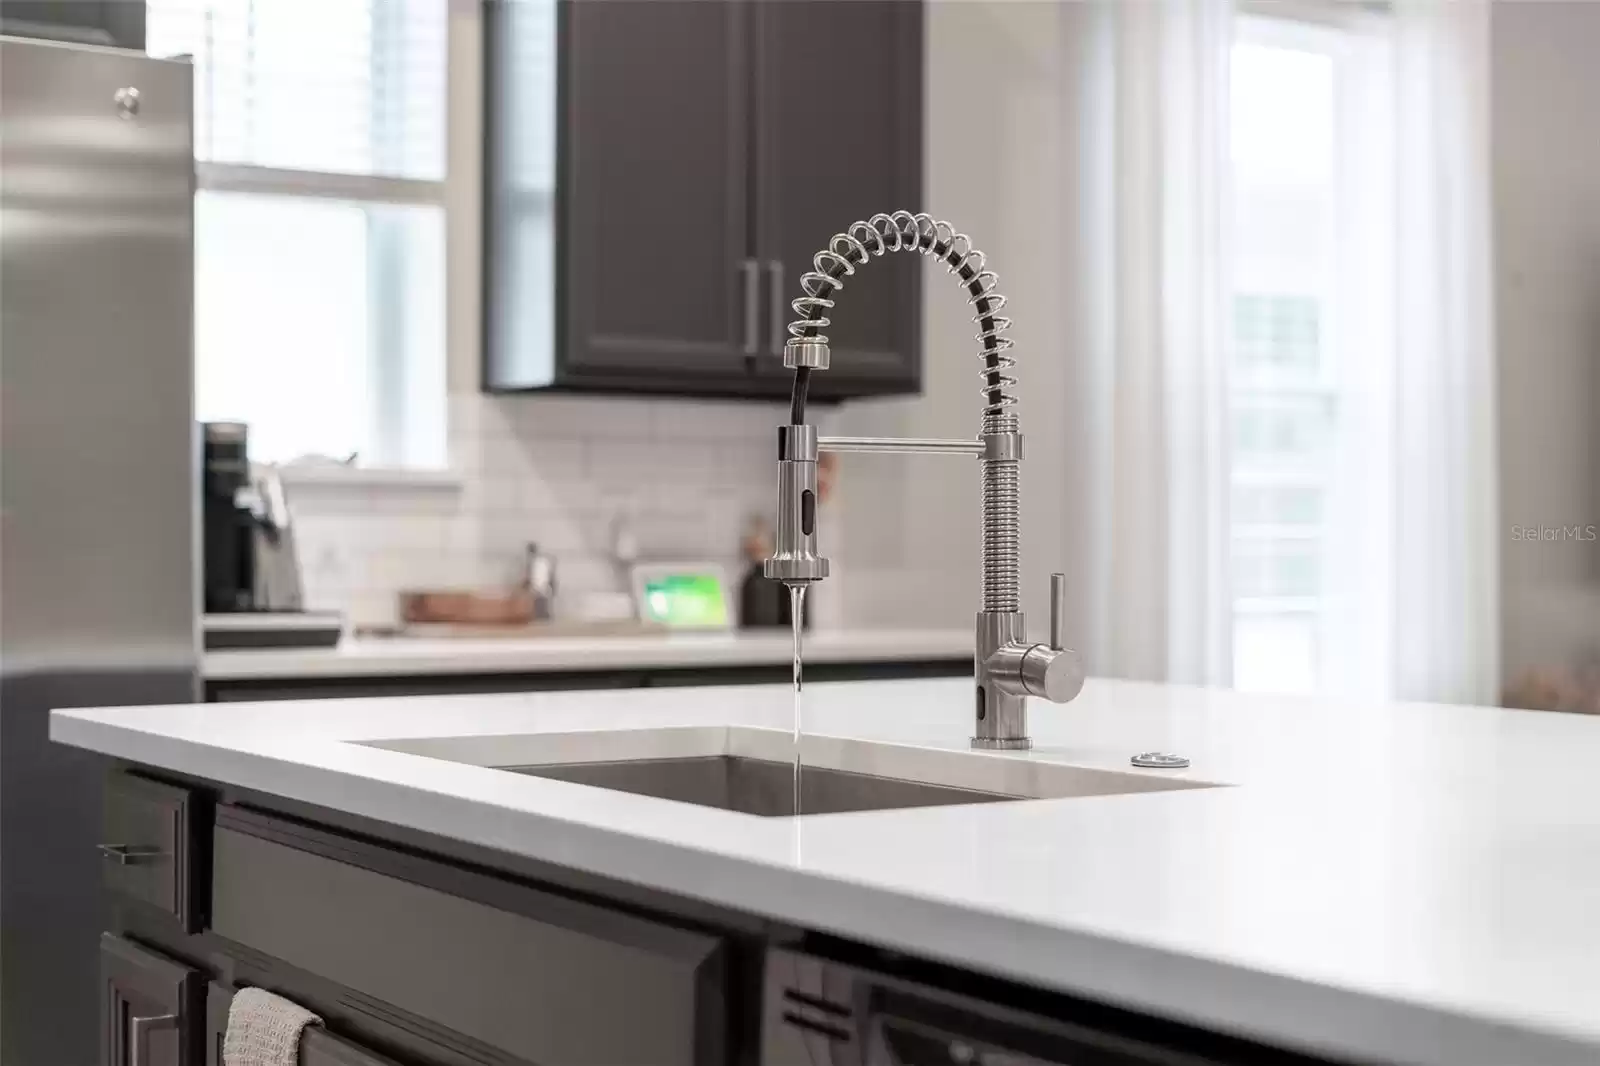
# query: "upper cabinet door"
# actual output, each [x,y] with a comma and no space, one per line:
[839,138]
[655,180]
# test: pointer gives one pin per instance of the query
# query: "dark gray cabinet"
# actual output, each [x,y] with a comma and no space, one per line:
[148,1006]
[657,116]
[418,950]
[150,832]
[840,140]
[651,236]
[318,1047]
[533,976]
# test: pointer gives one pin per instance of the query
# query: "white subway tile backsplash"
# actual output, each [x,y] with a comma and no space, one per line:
[459,538]
[640,468]
[556,461]
[586,573]
[503,494]
[678,536]
[723,518]
[714,420]
[576,417]
[563,533]
[555,470]
[738,464]
[371,606]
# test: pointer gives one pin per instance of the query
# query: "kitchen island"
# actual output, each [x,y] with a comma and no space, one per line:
[1327,881]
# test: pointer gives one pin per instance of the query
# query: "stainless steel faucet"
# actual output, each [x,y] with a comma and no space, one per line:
[1007,667]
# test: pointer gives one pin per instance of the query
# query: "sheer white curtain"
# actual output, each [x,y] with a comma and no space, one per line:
[1446,595]
[1153,136]
[1407,585]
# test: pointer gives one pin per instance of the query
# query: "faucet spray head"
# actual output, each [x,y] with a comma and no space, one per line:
[794,560]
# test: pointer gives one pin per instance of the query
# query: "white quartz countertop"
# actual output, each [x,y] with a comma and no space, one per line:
[1391,883]
[411,656]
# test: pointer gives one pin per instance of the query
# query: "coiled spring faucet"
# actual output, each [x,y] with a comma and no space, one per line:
[1007,668]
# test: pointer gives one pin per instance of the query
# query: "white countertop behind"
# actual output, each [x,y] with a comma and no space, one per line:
[1394,883]
[409,656]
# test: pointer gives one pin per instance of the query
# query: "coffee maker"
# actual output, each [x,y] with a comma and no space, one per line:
[229,524]
[252,574]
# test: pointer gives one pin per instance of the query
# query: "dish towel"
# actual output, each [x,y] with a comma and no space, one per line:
[264,1030]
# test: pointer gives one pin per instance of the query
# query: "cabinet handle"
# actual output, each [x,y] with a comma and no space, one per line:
[131,854]
[139,1030]
[776,294]
[752,298]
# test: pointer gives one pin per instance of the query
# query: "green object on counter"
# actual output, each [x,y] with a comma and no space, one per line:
[693,600]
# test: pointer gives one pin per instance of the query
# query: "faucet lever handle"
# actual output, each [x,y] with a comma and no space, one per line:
[1055,672]
[1058,611]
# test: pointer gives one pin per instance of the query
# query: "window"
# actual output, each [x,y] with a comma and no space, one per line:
[1311,156]
[319,133]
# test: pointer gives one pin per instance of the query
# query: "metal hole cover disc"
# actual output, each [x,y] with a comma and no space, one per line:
[1159,760]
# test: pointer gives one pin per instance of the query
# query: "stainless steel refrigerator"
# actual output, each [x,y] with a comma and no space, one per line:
[98,566]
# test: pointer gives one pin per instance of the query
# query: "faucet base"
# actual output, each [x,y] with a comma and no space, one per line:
[1000,710]
[1002,743]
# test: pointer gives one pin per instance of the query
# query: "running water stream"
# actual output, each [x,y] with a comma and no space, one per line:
[797,605]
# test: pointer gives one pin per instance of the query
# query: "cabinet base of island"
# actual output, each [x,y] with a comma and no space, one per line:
[418,950]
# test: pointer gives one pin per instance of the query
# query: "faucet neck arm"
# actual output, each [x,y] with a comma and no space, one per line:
[862,241]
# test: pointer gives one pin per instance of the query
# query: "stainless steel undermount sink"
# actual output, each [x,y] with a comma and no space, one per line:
[751,770]
[758,786]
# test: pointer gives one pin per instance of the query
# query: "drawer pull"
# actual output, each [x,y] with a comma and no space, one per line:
[131,854]
[139,1030]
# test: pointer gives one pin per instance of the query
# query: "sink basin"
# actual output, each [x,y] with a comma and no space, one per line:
[759,786]
[751,770]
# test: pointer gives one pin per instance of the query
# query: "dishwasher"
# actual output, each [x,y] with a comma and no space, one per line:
[820,1012]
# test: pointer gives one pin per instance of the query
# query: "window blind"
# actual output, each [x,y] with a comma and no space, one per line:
[337,86]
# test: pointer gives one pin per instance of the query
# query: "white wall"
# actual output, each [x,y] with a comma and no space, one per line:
[1546,81]
[999,167]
